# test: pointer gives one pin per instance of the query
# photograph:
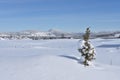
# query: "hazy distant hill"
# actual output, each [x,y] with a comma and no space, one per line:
[54,34]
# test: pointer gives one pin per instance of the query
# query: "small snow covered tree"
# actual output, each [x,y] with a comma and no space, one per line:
[87,50]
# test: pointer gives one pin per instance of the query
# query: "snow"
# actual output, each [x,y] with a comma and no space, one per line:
[57,60]
[2,39]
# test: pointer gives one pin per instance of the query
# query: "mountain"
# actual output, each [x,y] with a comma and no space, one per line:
[55,34]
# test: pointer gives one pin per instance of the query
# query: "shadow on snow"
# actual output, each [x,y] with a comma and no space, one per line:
[109,46]
[72,58]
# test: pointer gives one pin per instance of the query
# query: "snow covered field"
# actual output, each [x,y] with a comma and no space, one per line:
[57,60]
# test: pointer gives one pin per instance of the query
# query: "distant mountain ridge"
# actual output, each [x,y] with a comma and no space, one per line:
[55,34]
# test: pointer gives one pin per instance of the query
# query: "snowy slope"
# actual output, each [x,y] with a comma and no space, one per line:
[57,60]
[53,68]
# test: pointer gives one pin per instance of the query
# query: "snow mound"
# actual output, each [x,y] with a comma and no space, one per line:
[53,68]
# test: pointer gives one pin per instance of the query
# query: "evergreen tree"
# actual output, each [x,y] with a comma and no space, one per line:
[87,50]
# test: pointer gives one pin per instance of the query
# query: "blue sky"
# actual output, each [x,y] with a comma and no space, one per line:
[66,15]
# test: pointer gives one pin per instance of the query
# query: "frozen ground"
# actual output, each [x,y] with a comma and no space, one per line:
[57,60]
